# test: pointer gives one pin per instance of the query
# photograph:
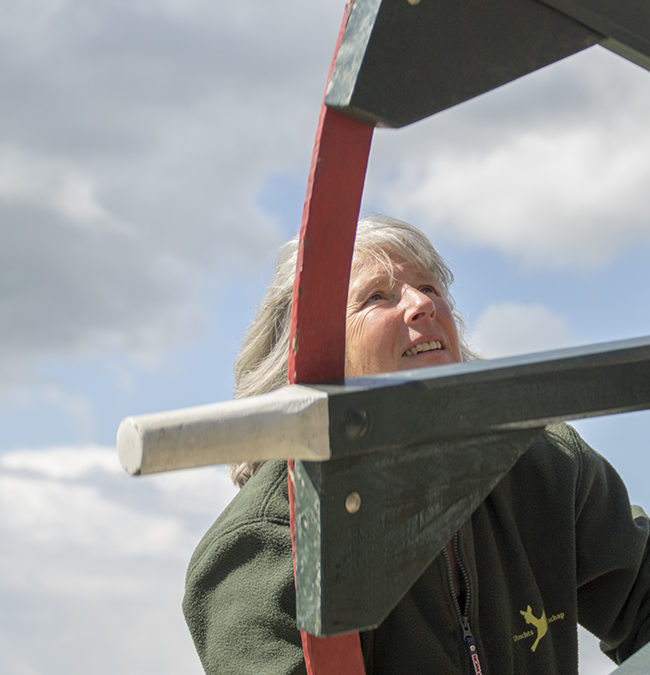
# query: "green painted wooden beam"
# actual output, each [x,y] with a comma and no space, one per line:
[400,62]
[367,528]
[403,60]
[401,480]
[625,25]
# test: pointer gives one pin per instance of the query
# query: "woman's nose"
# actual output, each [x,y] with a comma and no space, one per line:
[418,304]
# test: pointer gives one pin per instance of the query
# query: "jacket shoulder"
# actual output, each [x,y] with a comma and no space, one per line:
[560,446]
[263,500]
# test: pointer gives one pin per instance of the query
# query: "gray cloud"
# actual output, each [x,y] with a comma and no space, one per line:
[134,141]
[93,562]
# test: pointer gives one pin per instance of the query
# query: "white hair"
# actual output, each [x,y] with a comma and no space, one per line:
[262,363]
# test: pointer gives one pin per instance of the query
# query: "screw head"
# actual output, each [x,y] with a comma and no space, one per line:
[353,502]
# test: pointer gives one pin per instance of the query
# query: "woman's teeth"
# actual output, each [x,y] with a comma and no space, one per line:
[423,347]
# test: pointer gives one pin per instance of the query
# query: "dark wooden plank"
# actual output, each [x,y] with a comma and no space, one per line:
[400,62]
[418,476]
[517,392]
[356,565]
[625,25]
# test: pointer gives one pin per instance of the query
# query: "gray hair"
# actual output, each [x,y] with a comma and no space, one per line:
[262,363]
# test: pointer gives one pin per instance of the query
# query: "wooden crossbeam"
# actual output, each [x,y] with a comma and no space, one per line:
[382,412]
[402,61]
[363,436]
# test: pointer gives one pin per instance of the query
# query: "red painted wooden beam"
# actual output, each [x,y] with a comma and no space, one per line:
[326,243]
[317,343]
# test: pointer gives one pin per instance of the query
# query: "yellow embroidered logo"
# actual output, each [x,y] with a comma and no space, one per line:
[541,624]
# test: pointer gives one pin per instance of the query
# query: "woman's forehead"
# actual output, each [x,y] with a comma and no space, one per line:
[373,262]
[367,269]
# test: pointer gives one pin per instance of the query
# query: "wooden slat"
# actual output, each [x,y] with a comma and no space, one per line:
[317,343]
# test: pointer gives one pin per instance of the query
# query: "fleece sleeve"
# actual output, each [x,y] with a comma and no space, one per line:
[612,557]
[240,602]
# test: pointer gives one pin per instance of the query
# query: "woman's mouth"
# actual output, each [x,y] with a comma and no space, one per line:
[432,345]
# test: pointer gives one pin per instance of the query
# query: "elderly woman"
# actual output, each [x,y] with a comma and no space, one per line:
[555,543]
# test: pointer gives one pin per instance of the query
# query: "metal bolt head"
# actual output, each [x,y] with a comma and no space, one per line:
[414,2]
[353,502]
[356,424]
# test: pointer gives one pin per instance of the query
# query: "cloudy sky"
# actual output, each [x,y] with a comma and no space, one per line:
[153,155]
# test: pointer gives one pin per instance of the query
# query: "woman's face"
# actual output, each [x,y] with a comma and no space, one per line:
[396,321]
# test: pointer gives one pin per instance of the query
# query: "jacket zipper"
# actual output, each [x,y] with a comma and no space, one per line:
[463,614]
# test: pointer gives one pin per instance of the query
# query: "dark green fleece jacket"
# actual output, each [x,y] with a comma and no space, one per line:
[554,544]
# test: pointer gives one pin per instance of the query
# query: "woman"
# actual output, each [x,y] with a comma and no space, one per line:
[553,543]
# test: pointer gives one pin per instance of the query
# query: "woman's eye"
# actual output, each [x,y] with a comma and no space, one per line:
[428,289]
[376,296]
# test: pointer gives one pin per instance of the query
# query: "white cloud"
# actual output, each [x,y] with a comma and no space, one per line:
[551,170]
[560,198]
[58,463]
[93,561]
[509,328]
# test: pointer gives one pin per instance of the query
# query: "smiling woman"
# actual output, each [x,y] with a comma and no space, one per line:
[396,320]
[382,244]
[490,599]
